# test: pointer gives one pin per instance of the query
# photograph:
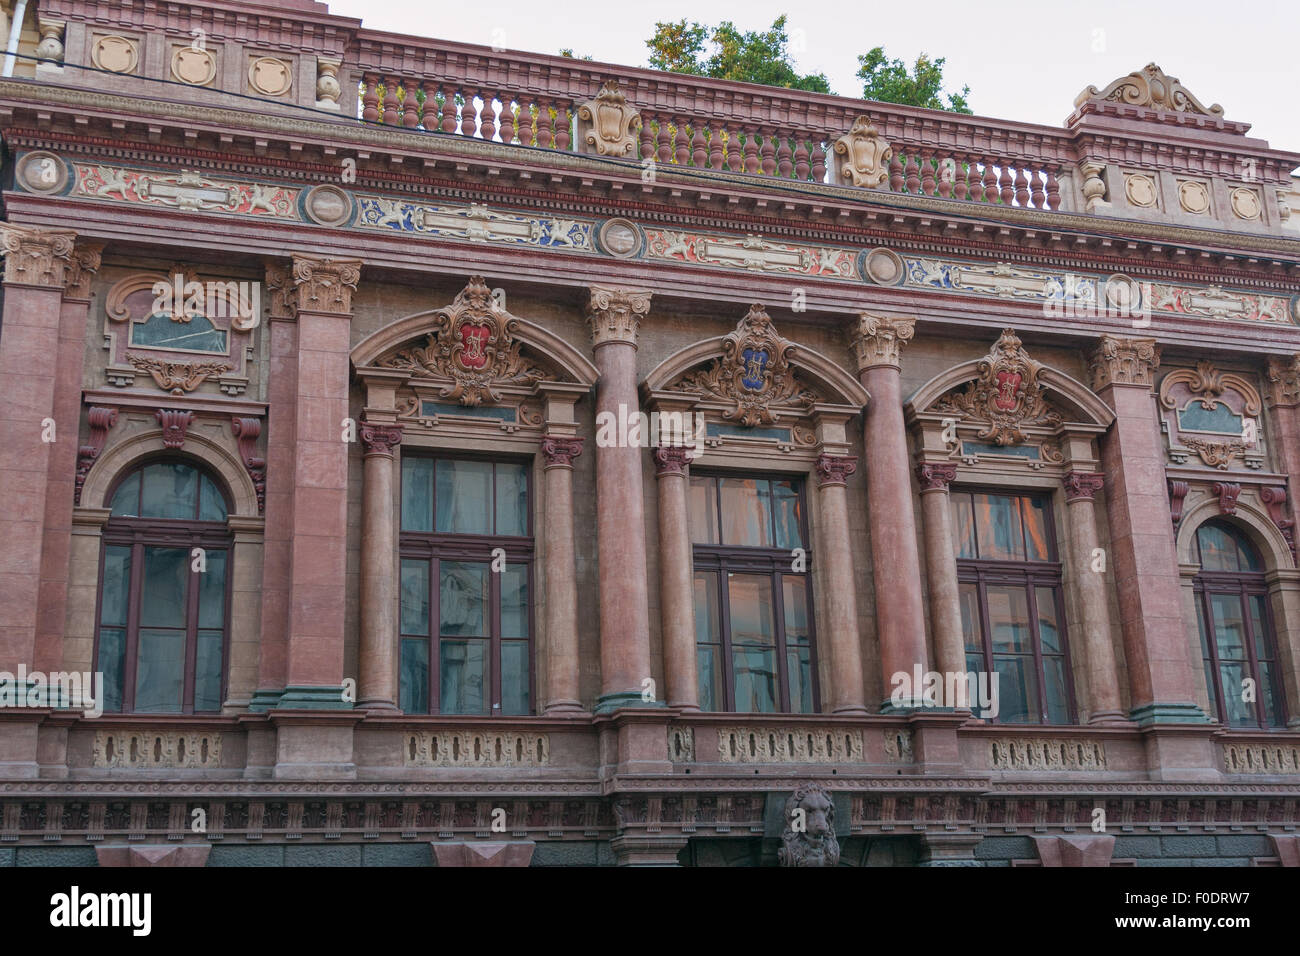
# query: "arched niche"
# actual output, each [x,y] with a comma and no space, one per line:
[1007,411]
[1248,512]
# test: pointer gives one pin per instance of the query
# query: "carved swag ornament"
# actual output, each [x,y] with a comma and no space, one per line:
[1006,396]
[473,346]
[754,374]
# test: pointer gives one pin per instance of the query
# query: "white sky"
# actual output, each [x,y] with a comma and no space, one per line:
[1023,61]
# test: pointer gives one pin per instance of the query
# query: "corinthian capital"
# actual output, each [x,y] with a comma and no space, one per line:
[325,285]
[36,257]
[615,314]
[1121,361]
[82,266]
[1283,381]
[879,339]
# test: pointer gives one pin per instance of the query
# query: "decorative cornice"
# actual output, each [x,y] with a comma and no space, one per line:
[672,460]
[615,314]
[935,476]
[37,257]
[175,423]
[879,339]
[1284,382]
[1151,87]
[1124,361]
[559,451]
[325,285]
[81,269]
[380,440]
[1082,485]
[835,470]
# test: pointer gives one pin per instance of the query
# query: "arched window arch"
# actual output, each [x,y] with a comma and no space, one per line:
[162,639]
[1238,643]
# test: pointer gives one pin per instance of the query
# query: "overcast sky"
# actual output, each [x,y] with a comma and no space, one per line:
[1023,61]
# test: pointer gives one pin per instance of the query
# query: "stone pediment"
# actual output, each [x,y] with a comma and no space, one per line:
[1153,88]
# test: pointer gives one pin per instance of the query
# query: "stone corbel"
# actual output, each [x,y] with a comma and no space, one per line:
[1274,499]
[174,425]
[246,431]
[1177,494]
[101,420]
[1228,492]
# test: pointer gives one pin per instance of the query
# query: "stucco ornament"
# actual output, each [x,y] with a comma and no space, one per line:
[808,837]
[608,123]
[473,346]
[1150,87]
[862,154]
[1006,396]
[754,373]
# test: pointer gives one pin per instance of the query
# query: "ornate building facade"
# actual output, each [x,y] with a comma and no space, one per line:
[445,455]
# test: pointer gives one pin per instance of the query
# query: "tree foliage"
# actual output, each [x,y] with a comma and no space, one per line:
[725,52]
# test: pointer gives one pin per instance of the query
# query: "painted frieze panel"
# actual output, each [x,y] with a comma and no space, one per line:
[187,190]
[475,223]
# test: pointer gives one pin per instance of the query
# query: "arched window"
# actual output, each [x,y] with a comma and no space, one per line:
[1236,628]
[1009,580]
[162,640]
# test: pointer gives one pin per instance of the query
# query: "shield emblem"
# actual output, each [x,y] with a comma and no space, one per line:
[473,340]
[755,368]
[1006,398]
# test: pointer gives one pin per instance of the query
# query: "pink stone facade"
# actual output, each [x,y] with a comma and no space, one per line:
[1105,336]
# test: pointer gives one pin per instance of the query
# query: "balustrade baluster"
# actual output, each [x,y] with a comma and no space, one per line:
[1004,180]
[699,145]
[1037,194]
[1022,187]
[927,172]
[913,174]
[818,162]
[751,151]
[507,118]
[715,147]
[768,150]
[946,171]
[665,139]
[959,174]
[784,166]
[1053,190]
[370,99]
[895,174]
[683,150]
[410,105]
[392,115]
[488,126]
[801,158]
[990,181]
[647,136]
[449,109]
[544,121]
[563,120]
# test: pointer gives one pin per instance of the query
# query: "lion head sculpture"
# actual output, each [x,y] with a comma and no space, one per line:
[808,837]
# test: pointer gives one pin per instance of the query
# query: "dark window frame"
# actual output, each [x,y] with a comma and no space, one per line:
[721,559]
[1029,576]
[438,546]
[140,533]
[1242,585]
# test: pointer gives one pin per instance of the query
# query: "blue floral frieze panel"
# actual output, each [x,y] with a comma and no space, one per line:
[475,223]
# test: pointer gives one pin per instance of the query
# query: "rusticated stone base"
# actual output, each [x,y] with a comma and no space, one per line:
[186,854]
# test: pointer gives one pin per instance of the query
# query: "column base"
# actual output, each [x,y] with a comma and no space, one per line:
[264,700]
[382,706]
[313,698]
[608,703]
[852,710]
[564,708]
[1109,718]
[911,705]
[1168,713]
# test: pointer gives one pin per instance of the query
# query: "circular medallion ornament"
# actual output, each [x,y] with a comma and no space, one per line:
[1123,294]
[115,53]
[270,76]
[1141,191]
[620,238]
[328,205]
[193,66]
[883,267]
[42,172]
[1193,196]
[1245,203]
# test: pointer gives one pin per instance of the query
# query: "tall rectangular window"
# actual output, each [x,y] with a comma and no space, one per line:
[753,607]
[1009,588]
[466,585]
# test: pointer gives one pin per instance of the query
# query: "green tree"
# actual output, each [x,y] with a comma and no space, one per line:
[889,81]
[753,57]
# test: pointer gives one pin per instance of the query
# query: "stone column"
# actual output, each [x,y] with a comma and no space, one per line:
[36,265]
[1090,586]
[615,316]
[1283,400]
[317,593]
[277,555]
[563,672]
[839,597]
[1156,645]
[676,579]
[895,562]
[941,572]
[52,605]
[377,683]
